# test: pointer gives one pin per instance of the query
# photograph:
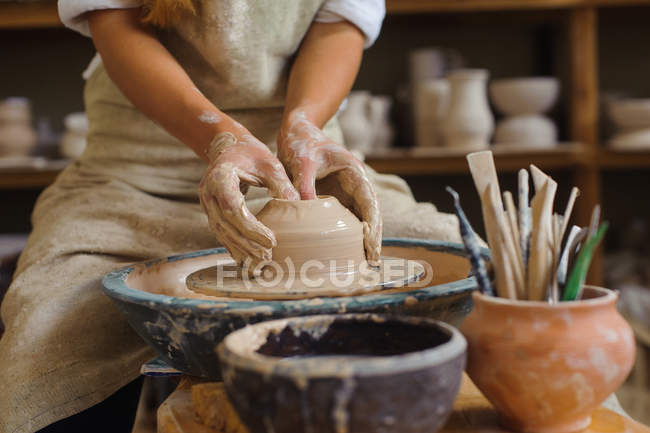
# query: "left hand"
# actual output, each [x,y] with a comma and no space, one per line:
[310,157]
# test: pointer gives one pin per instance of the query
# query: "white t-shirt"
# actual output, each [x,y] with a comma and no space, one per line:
[367,15]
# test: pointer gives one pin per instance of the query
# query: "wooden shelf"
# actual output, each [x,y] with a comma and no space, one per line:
[437,161]
[417,6]
[44,14]
[24,15]
[610,159]
[26,177]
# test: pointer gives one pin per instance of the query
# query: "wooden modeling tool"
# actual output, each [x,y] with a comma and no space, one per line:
[595,220]
[525,219]
[507,241]
[481,165]
[541,257]
[528,257]
[539,177]
[471,245]
[563,266]
[575,192]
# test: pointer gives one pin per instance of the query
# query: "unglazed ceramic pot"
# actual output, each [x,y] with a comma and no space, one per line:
[315,231]
[546,367]
[469,122]
[360,373]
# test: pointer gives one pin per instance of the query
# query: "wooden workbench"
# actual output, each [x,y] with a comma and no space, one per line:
[472,414]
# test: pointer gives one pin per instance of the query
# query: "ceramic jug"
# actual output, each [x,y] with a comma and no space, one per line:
[379,116]
[355,123]
[469,122]
[431,106]
[17,137]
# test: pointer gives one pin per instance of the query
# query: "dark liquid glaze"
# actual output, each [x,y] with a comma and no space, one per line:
[354,338]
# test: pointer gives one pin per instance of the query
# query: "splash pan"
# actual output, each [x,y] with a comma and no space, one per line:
[185,327]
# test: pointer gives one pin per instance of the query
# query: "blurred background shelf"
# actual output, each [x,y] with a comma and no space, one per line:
[44,14]
[37,175]
[440,160]
[16,15]
[415,6]
[624,159]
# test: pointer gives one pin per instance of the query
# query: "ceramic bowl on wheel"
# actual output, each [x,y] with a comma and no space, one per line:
[361,373]
[185,327]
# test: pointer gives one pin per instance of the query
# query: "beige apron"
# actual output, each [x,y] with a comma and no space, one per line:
[132,197]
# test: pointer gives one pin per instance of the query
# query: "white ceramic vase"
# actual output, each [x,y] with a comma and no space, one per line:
[379,117]
[17,136]
[73,142]
[355,122]
[469,122]
[431,106]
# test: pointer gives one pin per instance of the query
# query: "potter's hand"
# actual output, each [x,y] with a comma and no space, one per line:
[236,162]
[311,157]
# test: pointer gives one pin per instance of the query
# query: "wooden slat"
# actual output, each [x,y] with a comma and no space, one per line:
[29,15]
[44,14]
[27,179]
[415,6]
[621,160]
[440,161]
[583,39]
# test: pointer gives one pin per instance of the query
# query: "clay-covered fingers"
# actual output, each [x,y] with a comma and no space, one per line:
[230,218]
[354,181]
[275,178]
[304,178]
[224,232]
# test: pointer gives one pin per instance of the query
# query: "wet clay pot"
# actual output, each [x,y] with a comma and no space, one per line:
[322,232]
[348,373]
[546,367]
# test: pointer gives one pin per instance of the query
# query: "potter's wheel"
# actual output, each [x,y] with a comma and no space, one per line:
[228,280]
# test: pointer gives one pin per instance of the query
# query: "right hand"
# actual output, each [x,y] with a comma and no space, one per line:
[237,161]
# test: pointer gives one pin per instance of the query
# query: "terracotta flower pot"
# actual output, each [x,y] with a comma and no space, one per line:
[546,367]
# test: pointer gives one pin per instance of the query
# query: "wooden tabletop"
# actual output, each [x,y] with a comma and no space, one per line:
[472,414]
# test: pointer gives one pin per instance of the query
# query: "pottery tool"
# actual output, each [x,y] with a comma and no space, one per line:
[574,248]
[513,226]
[507,242]
[578,275]
[563,265]
[540,260]
[525,219]
[481,166]
[595,220]
[568,210]
[526,243]
[471,245]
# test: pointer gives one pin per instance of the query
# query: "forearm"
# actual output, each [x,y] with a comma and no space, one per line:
[153,80]
[324,71]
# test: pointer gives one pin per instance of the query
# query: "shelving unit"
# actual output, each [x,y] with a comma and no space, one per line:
[25,15]
[584,157]
[443,161]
